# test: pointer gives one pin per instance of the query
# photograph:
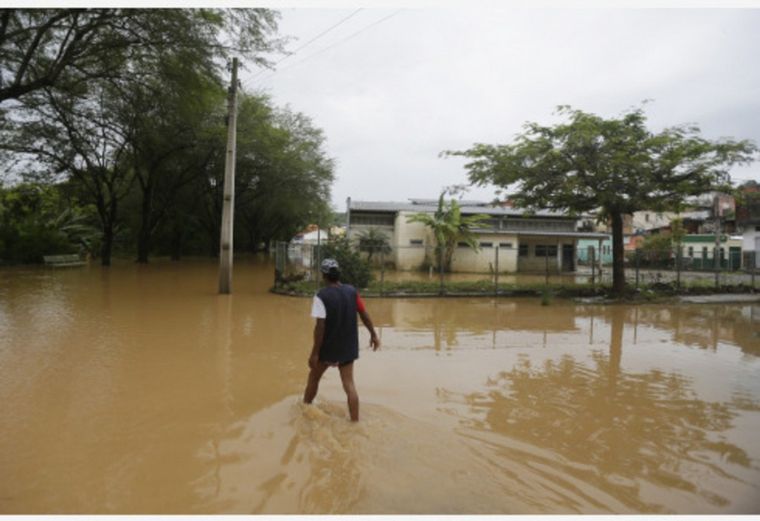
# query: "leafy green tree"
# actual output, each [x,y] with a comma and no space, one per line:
[283,174]
[657,249]
[37,220]
[353,269]
[65,48]
[74,138]
[133,116]
[449,227]
[615,166]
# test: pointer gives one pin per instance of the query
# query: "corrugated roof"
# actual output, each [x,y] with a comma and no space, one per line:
[430,205]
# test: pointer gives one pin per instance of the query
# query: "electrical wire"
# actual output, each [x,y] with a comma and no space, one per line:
[317,37]
[339,42]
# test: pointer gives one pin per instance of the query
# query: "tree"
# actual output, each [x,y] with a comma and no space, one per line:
[283,173]
[613,166]
[373,240]
[76,137]
[40,219]
[121,104]
[65,48]
[449,227]
[353,269]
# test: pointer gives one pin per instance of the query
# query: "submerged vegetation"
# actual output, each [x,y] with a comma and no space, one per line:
[546,292]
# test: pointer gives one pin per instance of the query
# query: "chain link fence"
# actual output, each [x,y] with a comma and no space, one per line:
[501,267]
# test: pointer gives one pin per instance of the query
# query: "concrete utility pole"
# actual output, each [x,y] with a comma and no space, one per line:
[228,207]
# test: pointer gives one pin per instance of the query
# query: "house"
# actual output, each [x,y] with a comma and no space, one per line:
[513,239]
[699,251]
[748,221]
[602,250]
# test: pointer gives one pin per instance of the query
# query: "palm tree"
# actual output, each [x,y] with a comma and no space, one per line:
[449,228]
[373,240]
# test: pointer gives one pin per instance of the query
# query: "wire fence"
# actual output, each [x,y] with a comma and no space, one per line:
[502,266]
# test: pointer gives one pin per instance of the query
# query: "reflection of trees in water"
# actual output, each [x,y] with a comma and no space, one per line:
[699,325]
[641,426]
[448,319]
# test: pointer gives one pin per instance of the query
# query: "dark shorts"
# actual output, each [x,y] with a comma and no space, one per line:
[338,364]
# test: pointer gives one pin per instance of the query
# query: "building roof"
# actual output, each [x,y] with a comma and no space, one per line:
[467,207]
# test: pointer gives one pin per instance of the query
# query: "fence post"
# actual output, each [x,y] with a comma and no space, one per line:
[382,272]
[636,262]
[753,265]
[591,252]
[716,267]
[440,269]
[678,267]
[496,273]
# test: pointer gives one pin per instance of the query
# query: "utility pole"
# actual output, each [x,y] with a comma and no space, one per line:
[228,206]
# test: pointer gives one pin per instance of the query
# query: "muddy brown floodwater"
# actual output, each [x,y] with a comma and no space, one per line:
[138,389]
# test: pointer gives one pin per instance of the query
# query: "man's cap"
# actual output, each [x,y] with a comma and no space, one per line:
[330,265]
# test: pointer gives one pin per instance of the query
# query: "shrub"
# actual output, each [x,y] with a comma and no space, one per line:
[353,269]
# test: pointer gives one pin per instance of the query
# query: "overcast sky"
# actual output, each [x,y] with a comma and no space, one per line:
[391,97]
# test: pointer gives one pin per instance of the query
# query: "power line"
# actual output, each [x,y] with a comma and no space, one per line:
[317,37]
[339,42]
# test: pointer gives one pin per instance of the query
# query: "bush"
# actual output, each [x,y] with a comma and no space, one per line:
[353,269]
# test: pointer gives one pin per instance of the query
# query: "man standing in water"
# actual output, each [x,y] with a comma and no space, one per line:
[336,335]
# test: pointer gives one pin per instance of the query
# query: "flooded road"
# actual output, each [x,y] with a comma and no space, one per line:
[138,389]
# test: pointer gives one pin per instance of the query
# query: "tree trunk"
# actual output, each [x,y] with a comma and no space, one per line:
[177,243]
[618,254]
[143,237]
[107,245]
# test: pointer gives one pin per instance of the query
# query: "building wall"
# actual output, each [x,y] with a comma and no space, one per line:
[410,254]
[749,238]
[647,220]
[484,261]
[413,247]
[606,252]
[531,262]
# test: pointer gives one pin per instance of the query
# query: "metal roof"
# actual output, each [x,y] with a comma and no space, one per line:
[467,207]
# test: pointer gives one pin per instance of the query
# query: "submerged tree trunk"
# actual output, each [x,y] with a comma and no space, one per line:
[143,237]
[618,254]
[107,245]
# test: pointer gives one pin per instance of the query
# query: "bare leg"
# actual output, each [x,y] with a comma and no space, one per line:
[312,385]
[347,377]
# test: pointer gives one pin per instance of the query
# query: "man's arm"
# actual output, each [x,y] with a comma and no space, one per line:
[374,342]
[319,335]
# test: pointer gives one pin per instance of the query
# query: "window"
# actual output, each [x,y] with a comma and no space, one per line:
[486,245]
[505,245]
[415,242]
[462,245]
[372,219]
[646,217]
[691,251]
[757,228]
[543,250]
[523,250]
[704,252]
